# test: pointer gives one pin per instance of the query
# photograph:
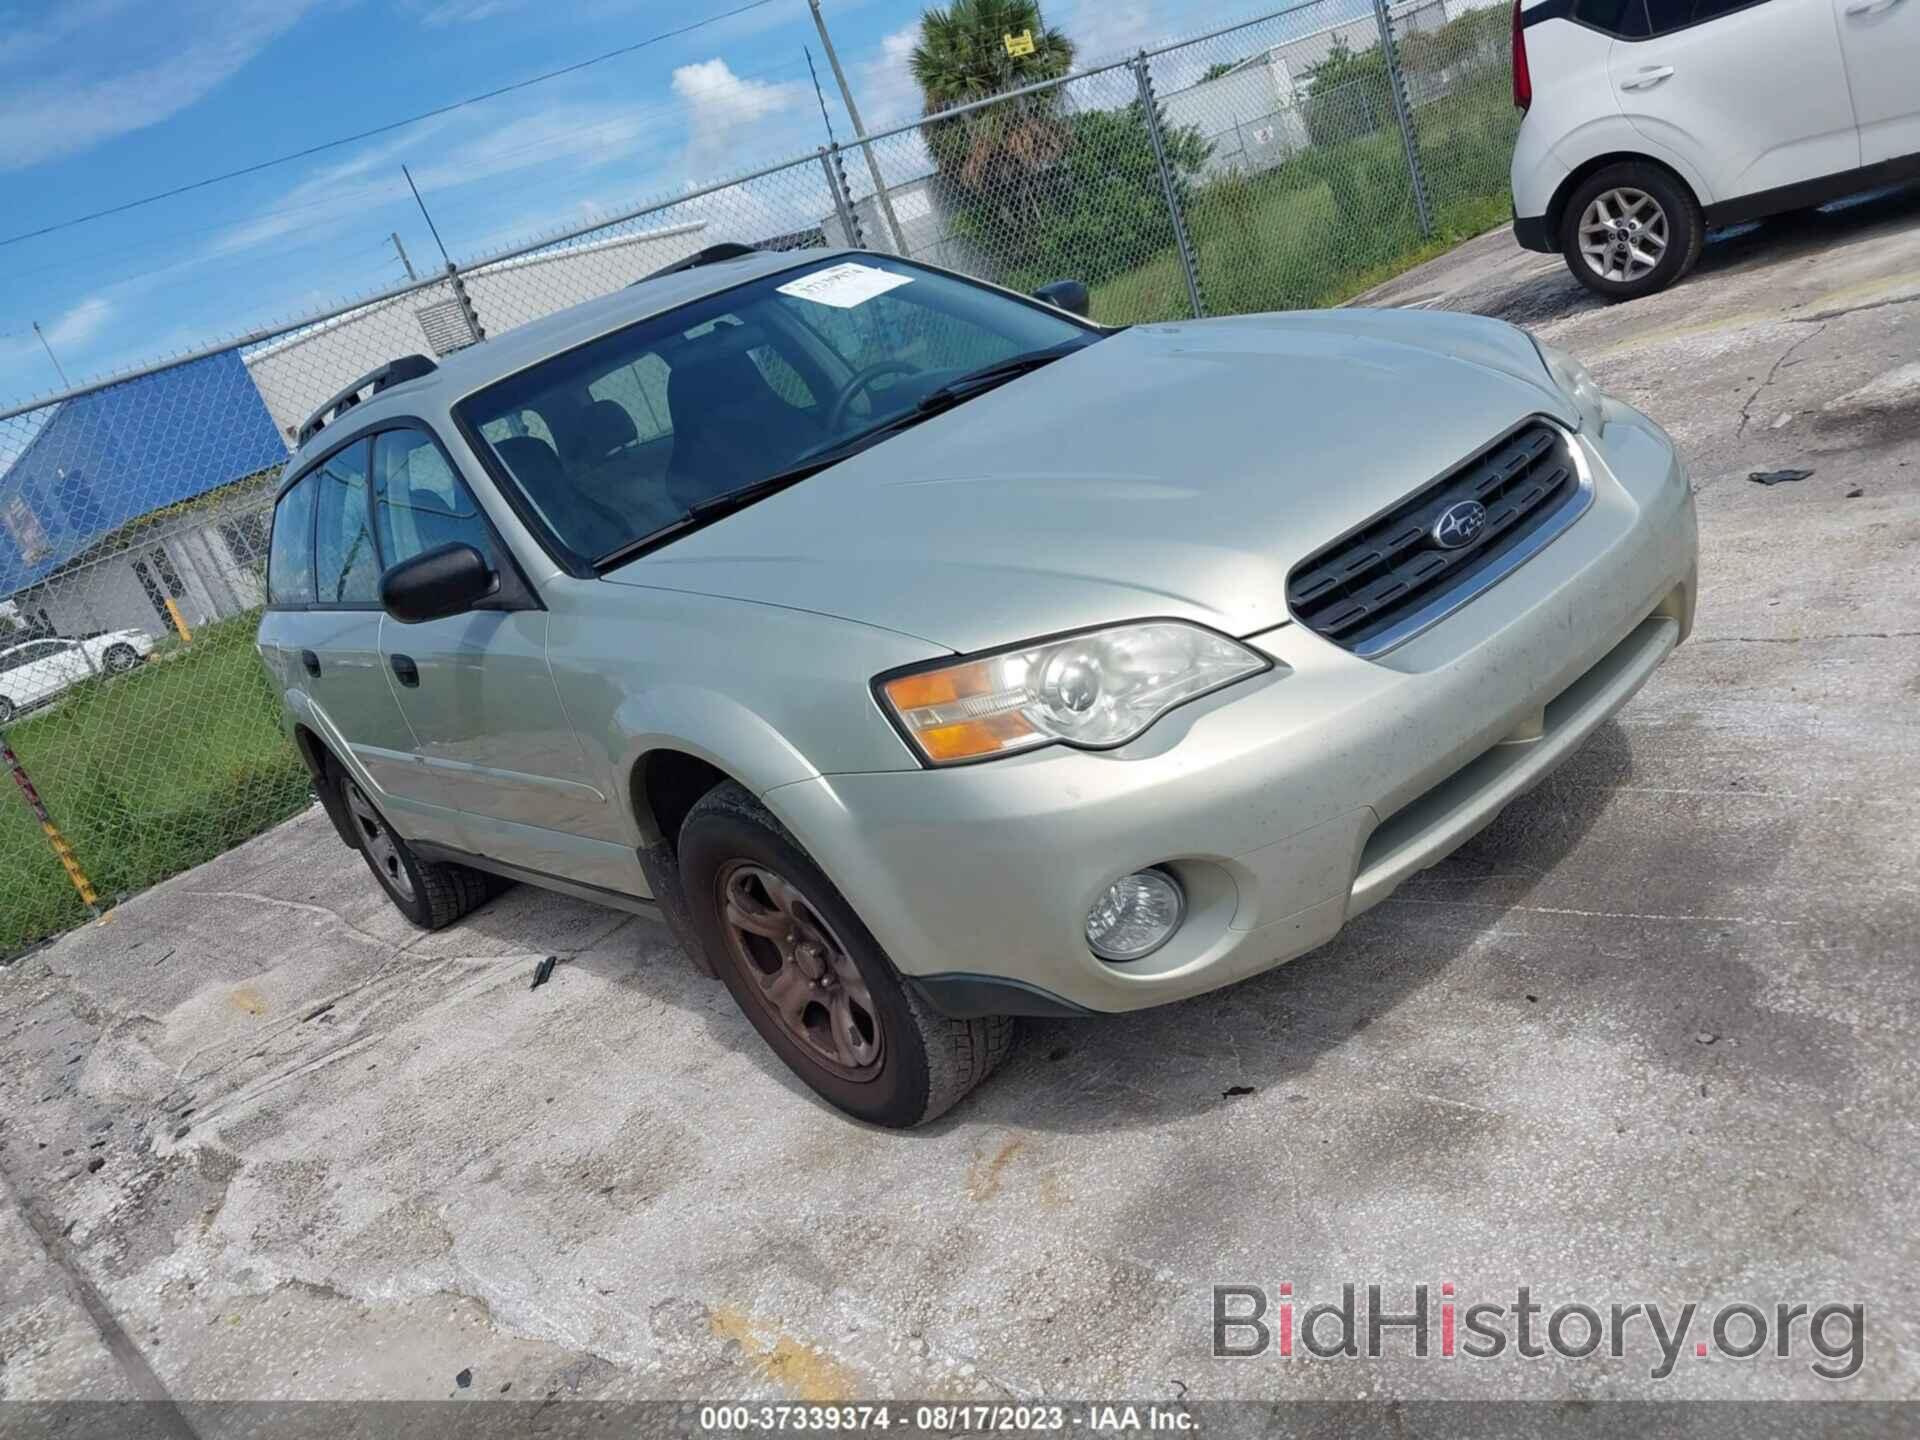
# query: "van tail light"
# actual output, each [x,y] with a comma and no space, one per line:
[1522,79]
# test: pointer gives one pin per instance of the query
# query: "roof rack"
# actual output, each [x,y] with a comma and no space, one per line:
[407,367]
[712,255]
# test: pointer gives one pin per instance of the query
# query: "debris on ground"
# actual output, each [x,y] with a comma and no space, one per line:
[463,1379]
[1777,477]
[1706,1037]
[1234,1091]
[1855,493]
[543,972]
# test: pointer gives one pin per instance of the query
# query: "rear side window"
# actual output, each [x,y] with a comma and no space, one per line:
[1667,15]
[290,556]
[420,504]
[344,563]
[1625,18]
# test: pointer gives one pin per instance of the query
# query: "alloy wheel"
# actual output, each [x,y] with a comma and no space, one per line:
[378,842]
[122,658]
[799,970]
[1623,234]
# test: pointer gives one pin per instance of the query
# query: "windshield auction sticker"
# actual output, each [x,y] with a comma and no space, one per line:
[844,286]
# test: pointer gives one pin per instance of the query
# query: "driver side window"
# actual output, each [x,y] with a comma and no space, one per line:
[420,504]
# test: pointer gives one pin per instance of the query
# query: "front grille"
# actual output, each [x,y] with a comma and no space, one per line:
[1362,591]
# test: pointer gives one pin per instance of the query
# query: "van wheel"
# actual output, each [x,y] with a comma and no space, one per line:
[1631,229]
[813,981]
[430,894]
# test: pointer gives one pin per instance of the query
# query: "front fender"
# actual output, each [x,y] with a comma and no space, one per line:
[708,726]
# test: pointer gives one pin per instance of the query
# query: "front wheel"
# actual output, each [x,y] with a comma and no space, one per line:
[813,981]
[120,658]
[6,710]
[1631,229]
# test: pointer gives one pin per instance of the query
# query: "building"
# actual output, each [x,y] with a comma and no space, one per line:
[142,493]
[299,372]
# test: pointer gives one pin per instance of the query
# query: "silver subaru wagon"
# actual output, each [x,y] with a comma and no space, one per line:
[926,655]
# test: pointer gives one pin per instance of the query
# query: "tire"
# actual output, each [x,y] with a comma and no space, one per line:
[1645,201]
[120,658]
[859,1037]
[6,711]
[430,894]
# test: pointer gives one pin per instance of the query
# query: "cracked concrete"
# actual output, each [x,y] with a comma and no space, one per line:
[1649,1037]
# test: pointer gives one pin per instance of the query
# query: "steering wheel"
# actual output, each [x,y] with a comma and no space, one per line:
[837,412]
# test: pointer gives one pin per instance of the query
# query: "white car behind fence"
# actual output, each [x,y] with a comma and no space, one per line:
[40,670]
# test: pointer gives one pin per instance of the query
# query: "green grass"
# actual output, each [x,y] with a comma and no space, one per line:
[147,774]
[1331,222]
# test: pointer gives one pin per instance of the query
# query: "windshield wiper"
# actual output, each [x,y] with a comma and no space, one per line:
[944,397]
[976,382]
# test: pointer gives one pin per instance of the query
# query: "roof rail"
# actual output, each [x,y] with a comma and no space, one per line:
[712,255]
[407,367]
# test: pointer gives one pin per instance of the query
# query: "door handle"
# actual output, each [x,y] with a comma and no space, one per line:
[311,662]
[1652,75]
[406,671]
[1870,7]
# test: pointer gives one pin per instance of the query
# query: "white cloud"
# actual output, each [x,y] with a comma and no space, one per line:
[88,72]
[81,323]
[885,89]
[719,103]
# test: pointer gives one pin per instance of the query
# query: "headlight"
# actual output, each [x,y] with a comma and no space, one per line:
[1097,689]
[1576,382]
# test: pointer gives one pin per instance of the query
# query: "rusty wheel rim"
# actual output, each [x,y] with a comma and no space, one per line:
[799,971]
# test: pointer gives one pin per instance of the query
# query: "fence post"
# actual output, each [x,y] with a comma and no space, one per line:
[466,301]
[837,183]
[62,851]
[1150,108]
[1403,112]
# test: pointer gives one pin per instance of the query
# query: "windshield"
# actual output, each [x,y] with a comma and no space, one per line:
[622,437]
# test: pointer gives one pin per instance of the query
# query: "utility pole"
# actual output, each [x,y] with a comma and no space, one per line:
[401,251]
[65,383]
[859,131]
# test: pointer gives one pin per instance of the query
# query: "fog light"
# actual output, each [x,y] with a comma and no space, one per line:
[1136,916]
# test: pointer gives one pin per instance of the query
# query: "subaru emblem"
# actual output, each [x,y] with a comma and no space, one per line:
[1459,525]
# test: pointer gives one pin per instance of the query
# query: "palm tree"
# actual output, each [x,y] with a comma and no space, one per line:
[962,56]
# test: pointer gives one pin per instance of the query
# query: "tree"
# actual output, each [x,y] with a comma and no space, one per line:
[962,56]
[1219,68]
[1348,93]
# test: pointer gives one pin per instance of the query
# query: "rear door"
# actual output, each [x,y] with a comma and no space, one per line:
[1753,95]
[1881,43]
[492,738]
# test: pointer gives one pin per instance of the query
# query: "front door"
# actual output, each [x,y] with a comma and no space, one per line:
[346,676]
[1881,41]
[1753,95]
[491,736]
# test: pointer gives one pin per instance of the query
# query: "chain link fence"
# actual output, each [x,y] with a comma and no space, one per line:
[1279,163]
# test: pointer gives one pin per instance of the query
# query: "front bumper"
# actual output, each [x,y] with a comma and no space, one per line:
[1285,804]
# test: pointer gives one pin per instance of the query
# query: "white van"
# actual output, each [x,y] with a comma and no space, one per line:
[1648,121]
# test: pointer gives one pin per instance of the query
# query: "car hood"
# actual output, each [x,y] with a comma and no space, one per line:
[1168,470]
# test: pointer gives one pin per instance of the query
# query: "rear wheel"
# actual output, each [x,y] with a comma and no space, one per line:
[430,894]
[813,981]
[120,658]
[6,710]
[1631,229]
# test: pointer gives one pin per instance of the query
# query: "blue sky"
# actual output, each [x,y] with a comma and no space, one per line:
[104,101]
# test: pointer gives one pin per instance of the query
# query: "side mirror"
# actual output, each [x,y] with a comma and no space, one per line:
[441,583]
[1068,295]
